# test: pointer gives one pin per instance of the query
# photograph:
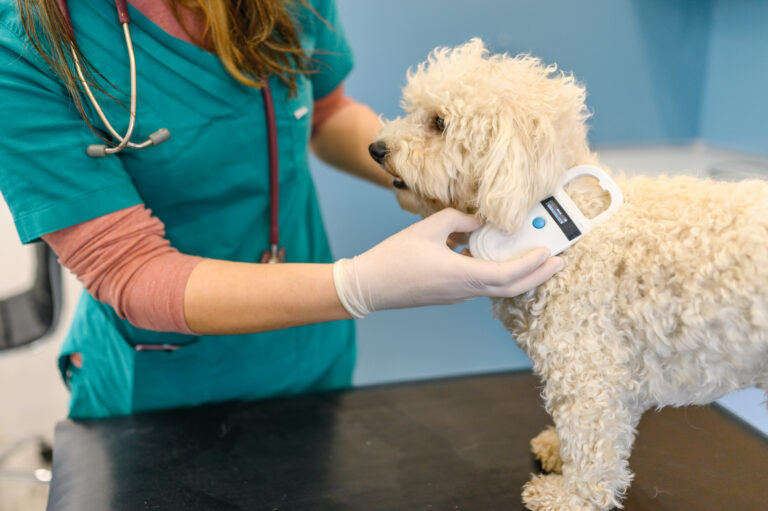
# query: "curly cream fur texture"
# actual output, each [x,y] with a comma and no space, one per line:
[661,305]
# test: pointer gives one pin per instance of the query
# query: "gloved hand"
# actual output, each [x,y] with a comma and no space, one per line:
[415,267]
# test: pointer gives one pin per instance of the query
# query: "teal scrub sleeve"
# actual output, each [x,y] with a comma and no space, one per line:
[46,178]
[332,58]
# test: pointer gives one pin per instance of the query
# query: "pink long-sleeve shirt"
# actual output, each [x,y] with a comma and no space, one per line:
[123,258]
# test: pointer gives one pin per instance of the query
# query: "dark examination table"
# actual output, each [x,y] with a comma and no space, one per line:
[457,444]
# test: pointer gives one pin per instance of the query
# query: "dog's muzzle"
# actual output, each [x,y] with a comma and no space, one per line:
[379,152]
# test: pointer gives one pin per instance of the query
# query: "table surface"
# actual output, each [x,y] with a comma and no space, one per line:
[457,444]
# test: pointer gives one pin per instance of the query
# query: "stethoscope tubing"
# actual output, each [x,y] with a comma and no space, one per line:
[125,139]
[161,135]
[274,166]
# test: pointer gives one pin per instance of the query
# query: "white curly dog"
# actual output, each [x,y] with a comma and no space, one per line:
[663,304]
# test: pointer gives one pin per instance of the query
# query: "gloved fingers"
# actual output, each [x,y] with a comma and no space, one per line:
[502,273]
[540,275]
[448,221]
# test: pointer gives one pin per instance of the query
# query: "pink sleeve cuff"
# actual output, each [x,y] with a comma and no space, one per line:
[123,259]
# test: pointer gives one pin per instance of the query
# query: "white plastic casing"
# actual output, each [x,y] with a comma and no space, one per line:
[493,244]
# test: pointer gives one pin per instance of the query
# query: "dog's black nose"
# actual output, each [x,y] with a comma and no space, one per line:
[379,151]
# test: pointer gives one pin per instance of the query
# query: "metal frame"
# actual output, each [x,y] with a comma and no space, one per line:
[25,319]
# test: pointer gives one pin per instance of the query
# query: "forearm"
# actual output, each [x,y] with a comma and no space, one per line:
[224,297]
[123,259]
[342,141]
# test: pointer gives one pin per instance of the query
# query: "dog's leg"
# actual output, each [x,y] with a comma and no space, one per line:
[596,432]
[546,447]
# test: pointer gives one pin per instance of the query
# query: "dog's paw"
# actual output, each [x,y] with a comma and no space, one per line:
[547,493]
[546,447]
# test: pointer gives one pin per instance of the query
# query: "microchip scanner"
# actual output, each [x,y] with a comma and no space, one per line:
[555,222]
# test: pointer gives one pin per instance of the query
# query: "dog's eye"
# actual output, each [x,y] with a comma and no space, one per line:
[439,123]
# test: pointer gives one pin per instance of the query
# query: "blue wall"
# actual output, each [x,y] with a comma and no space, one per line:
[637,58]
[736,88]
[645,64]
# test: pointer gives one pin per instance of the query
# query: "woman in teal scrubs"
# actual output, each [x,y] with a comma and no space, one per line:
[256,335]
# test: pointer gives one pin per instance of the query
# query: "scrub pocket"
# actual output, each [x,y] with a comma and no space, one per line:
[116,379]
[171,379]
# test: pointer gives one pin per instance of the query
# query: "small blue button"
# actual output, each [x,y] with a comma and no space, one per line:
[539,222]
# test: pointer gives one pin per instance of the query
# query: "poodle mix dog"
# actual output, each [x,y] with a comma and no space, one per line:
[663,304]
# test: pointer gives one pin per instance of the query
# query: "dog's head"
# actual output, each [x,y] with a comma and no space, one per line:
[486,134]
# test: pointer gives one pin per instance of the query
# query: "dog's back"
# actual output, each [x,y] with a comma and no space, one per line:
[672,286]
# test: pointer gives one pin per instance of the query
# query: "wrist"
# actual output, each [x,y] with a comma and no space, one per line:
[348,288]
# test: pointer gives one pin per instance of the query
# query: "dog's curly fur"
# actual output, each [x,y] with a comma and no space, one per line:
[662,304]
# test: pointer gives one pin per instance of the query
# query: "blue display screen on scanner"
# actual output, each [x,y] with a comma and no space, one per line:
[565,223]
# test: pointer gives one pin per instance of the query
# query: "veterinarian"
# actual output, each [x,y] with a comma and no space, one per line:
[167,239]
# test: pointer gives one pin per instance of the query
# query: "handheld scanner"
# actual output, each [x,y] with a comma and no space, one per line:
[555,222]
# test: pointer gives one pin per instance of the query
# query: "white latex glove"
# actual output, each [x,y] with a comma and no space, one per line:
[415,267]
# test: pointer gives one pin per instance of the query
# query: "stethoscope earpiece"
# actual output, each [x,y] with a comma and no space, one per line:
[102,151]
[123,141]
[160,136]
[97,151]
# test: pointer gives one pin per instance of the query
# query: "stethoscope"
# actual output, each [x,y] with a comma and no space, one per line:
[274,254]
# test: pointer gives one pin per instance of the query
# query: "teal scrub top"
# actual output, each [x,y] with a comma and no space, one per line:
[209,184]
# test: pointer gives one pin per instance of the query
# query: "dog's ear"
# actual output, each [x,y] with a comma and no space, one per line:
[520,168]
[534,136]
